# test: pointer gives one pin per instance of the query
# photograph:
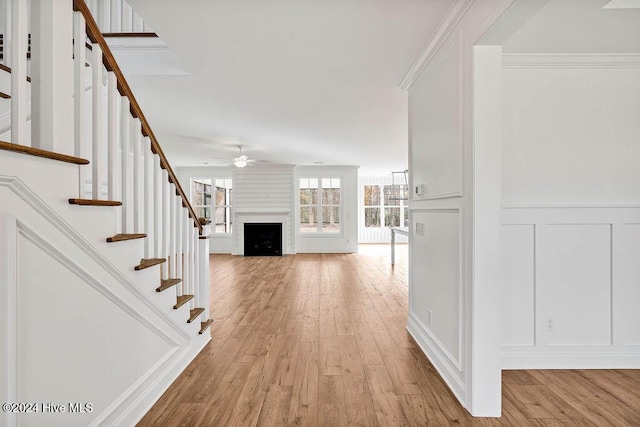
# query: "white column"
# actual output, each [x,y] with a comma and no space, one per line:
[486,385]
[97,171]
[19,22]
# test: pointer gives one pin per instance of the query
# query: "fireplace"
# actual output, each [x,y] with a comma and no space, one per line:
[262,239]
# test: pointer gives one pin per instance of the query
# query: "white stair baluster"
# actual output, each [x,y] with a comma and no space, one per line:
[6,22]
[172,233]
[186,249]
[157,208]
[165,223]
[179,221]
[96,121]
[148,197]
[136,135]
[124,151]
[79,104]
[112,135]
[19,43]
[203,288]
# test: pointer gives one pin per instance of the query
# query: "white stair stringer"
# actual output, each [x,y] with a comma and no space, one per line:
[79,309]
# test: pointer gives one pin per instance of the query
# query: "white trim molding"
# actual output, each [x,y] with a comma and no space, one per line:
[570,60]
[457,10]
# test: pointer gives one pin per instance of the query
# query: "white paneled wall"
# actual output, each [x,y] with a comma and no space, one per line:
[571,217]
[570,287]
[454,136]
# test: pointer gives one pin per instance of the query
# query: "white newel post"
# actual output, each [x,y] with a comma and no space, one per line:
[52,75]
[19,43]
[203,272]
[8,316]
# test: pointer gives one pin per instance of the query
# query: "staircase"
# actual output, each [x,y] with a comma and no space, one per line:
[104,264]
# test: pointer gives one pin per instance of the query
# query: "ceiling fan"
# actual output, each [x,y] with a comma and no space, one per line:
[242,160]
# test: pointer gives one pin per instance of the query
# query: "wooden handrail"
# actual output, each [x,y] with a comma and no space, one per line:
[94,34]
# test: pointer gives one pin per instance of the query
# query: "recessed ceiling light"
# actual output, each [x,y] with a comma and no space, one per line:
[318,163]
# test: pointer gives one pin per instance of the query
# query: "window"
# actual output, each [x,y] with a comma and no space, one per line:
[389,209]
[372,206]
[211,199]
[320,202]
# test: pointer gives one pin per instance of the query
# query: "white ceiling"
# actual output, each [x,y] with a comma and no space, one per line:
[295,82]
[579,26]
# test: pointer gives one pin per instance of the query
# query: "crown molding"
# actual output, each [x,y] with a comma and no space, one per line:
[570,60]
[449,23]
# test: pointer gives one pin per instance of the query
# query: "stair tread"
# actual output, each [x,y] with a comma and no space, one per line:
[93,202]
[182,300]
[205,325]
[17,148]
[193,314]
[146,263]
[167,283]
[122,237]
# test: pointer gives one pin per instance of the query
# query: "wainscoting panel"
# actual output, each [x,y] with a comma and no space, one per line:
[436,296]
[573,276]
[570,289]
[626,298]
[518,285]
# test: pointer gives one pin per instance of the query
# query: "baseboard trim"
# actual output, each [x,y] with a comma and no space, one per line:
[437,357]
[570,360]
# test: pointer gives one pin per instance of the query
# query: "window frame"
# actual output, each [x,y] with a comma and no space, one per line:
[213,205]
[319,206]
[403,205]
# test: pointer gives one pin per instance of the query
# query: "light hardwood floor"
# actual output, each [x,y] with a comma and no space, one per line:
[320,340]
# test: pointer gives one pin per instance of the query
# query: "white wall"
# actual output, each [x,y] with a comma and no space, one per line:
[571,189]
[218,243]
[347,239]
[448,292]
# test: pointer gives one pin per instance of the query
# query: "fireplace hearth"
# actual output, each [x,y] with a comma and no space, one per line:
[262,239]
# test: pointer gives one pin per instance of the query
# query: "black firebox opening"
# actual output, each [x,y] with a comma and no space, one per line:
[263,239]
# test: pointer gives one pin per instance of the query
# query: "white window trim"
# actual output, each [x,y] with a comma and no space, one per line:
[212,206]
[404,208]
[299,206]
